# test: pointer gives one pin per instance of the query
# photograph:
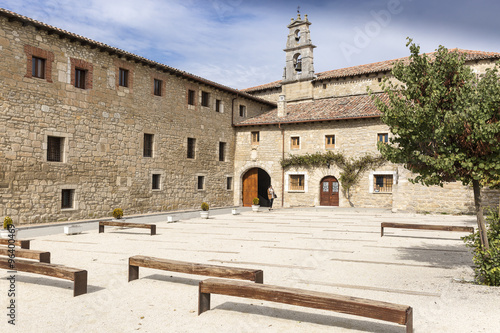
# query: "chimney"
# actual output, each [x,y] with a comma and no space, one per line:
[281,106]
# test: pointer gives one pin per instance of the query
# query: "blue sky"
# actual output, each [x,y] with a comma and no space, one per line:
[240,43]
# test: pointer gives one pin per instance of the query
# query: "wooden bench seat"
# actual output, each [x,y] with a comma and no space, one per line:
[256,275]
[23,244]
[423,227]
[78,276]
[41,256]
[400,314]
[152,227]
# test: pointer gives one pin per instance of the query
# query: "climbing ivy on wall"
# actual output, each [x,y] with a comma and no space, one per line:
[351,168]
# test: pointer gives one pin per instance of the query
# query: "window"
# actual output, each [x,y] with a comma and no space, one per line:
[229,183]
[205,99]
[55,146]
[296,182]
[255,138]
[383,137]
[38,67]
[243,111]
[156,181]
[382,183]
[148,145]
[67,199]
[295,142]
[218,105]
[80,75]
[157,87]
[191,146]
[201,183]
[329,141]
[191,98]
[222,151]
[123,77]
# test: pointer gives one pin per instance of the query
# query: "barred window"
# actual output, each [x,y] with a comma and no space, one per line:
[67,198]
[156,181]
[201,183]
[229,183]
[191,97]
[205,99]
[157,87]
[296,182]
[148,145]
[55,147]
[191,148]
[382,183]
[222,151]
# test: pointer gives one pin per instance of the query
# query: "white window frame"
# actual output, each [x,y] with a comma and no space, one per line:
[287,182]
[382,173]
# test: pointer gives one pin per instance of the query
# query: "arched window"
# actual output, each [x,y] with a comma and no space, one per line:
[297,35]
[297,62]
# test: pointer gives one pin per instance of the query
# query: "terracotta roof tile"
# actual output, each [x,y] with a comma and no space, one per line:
[348,107]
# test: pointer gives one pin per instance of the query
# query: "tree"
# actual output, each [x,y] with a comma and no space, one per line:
[445,121]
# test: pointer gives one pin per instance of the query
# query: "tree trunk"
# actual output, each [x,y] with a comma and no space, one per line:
[479,214]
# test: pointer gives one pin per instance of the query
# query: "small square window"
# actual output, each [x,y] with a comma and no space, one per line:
[148,145]
[80,76]
[218,105]
[243,111]
[382,183]
[229,183]
[255,138]
[191,147]
[329,141]
[222,151]
[67,199]
[156,181]
[191,97]
[38,67]
[123,77]
[157,87]
[201,183]
[296,182]
[55,148]
[383,137]
[295,142]
[205,99]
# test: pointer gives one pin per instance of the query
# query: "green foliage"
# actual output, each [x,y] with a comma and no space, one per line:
[204,206]
[7,221]
[118,213]
[351,168]
[487,263]
[444,118]
[255,201]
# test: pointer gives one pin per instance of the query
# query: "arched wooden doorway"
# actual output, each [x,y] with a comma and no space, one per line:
[329,188]
[255,183]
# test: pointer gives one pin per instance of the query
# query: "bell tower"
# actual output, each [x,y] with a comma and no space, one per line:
[299,51]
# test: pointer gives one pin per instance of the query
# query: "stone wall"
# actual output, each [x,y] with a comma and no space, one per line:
[102,131]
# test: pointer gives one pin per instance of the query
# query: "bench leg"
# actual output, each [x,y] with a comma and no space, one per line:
[25,244]
[409,321]
[153,230]
[259,277]
[203,301]
[45,257]
[80,285]
[133,272]
[101,228]
[381,231]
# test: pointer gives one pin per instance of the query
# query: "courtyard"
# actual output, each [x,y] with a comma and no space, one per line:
[330,250]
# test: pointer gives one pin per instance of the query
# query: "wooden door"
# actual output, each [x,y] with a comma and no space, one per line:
[329,188]
[250,186]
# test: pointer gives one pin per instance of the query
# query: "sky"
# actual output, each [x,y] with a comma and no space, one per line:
[240,43]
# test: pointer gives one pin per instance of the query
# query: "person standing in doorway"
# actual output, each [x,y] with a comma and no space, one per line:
[271,196]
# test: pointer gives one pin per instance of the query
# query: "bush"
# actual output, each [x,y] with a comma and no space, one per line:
[6,222]
[117,213]
[487,263]
[204,206]
[255,201]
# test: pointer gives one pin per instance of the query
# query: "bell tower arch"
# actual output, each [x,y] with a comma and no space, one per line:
[299,51]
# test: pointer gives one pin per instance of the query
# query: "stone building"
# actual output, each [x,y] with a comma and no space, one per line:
[86,128]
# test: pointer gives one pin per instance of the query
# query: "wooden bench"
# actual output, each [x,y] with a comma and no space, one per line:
[78,276]
[423,227]
[400,314]
[41,256]
[152,227]
[23,244]
[134,262]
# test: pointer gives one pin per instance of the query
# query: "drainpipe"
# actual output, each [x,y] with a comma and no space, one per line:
[282,170]
[232,110]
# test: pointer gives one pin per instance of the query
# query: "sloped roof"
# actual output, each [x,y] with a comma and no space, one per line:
[327,109]
[375,67]
[11,16]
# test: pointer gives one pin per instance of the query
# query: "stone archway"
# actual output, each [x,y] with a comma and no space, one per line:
[329,191]
[255,183]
